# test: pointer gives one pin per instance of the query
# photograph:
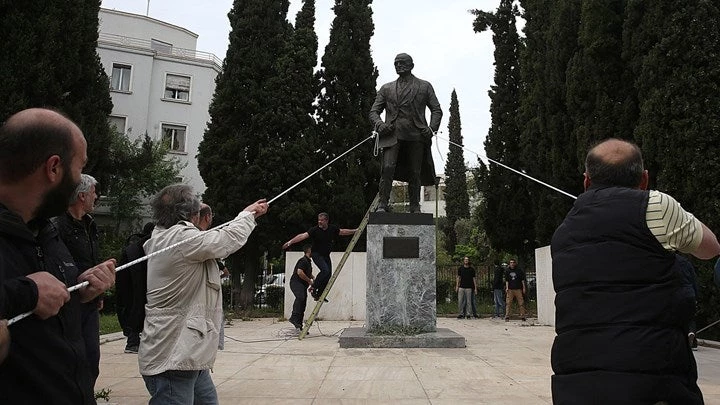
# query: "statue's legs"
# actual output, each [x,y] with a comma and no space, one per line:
[414,151]
[389,163]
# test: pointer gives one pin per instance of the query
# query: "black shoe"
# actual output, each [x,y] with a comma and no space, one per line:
[131,349]
[507,319]
[476,317]
[523,318]
[460,316]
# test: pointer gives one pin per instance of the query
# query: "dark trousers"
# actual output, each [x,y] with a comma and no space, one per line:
[298,310]
[413,153]
[91,335]
[325,265]
[134,291]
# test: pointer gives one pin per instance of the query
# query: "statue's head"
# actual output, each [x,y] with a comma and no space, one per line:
[403,64]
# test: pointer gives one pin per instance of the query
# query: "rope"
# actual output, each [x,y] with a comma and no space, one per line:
[242,215]
[509,168]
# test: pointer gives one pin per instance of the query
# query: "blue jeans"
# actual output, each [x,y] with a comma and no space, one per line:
[499,303]
[325,265]
[181,387]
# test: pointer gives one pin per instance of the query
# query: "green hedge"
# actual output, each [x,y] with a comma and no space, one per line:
[443,288]
[274,296]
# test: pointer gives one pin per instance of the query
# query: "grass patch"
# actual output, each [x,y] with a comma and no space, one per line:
[109,324]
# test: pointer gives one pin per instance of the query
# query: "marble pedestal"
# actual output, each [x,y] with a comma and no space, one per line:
[401,273]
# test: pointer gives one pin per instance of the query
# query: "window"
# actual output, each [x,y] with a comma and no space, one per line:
[120,79]
[177,87]
[173,137]
[118,123]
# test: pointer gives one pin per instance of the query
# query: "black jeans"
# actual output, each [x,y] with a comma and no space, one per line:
[325,265]
[91,335]
[299,289]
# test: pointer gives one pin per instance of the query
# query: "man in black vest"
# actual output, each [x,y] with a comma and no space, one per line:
[621,315]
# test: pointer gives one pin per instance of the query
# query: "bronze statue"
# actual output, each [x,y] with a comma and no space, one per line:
[405,136]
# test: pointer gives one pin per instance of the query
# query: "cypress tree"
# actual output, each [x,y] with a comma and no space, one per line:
[678,91]
[347,90]
[250,149]
[457,200]
[508,213]
[549,148]
[680,113]
[597,95]
[50,60]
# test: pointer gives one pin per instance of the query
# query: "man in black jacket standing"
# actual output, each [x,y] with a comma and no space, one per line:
[131,286]
[621,317]
[42,155]
[79,232]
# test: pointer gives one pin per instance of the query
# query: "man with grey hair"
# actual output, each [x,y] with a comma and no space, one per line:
[79,232]
[405,136]
[184,302]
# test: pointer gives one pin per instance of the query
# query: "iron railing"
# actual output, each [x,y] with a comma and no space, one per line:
[160,50]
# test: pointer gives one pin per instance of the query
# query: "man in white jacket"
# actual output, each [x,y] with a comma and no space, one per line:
[184,301]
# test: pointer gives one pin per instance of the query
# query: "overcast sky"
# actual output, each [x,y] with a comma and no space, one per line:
[437,34]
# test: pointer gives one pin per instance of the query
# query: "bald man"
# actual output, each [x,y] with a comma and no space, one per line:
[621,315]
[42,154]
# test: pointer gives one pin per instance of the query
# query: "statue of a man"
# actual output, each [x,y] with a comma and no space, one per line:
[405,136]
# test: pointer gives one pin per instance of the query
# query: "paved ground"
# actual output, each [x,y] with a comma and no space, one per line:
[503,363]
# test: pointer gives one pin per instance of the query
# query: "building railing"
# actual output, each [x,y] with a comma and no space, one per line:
[160,50]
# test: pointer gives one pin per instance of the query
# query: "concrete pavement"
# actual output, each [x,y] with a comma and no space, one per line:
[263,363]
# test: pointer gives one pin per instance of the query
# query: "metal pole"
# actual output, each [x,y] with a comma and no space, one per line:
[147,11]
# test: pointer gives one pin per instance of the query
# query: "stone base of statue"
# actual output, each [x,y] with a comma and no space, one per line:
[401,273]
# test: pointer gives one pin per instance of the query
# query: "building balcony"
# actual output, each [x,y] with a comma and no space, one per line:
[160,49]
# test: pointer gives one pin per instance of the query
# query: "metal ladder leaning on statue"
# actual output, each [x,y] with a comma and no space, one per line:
[336,273]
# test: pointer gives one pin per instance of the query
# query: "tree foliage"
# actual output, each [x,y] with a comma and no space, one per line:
[256,144]
[508,213]
[50,60]
[549,148]
[457,200]
[347,90]
[629,69]
[142,168]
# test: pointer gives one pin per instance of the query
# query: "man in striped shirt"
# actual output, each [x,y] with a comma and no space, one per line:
[621,314]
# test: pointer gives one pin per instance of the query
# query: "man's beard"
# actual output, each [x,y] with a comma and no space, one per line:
[57,200]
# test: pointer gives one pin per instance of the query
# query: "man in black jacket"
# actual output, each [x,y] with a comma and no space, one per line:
[42,154]
[131,286]
[621,316]
[79,232]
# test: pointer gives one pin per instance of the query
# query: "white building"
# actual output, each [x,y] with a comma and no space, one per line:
[429,201]
[159,83]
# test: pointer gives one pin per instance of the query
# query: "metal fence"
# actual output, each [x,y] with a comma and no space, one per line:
[446,276]
[484,280]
